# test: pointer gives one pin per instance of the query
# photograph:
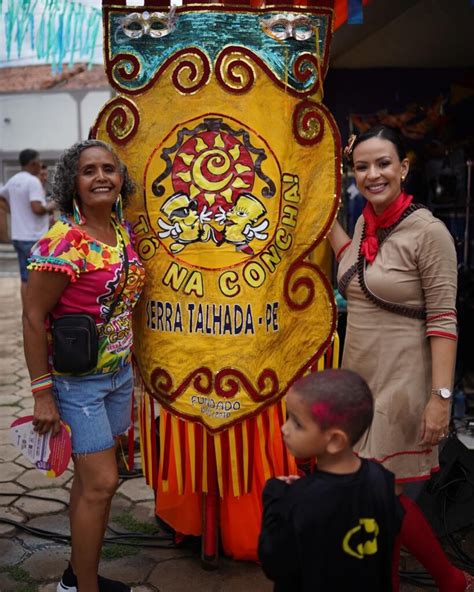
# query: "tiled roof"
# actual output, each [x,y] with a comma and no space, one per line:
[40,78]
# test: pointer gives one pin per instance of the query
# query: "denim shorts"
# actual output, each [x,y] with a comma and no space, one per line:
[23,249]
[97,407]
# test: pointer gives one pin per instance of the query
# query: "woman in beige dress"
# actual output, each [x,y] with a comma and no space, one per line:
[399,276]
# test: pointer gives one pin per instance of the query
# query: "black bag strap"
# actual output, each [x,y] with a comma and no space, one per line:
[358,269]
[126,265]
[406,311]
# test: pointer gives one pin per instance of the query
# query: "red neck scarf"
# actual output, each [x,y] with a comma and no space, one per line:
[370,244]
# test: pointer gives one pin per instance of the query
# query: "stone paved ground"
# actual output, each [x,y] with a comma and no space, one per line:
[32,564]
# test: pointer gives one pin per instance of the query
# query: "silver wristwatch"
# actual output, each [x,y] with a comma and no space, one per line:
[444,393]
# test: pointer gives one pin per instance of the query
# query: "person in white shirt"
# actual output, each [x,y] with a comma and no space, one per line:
[24,197]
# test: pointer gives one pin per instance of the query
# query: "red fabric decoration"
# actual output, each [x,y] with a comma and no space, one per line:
[370,244]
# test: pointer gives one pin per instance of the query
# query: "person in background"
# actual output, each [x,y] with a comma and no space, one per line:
[24,197]
[334,529]
[86,264]
[399,276]
[44,178]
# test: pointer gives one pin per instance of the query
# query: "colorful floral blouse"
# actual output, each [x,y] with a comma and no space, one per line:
[97,273]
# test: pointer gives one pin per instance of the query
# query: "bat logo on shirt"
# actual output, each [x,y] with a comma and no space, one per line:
[362,539]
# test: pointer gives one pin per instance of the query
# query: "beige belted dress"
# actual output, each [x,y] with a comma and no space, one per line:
[414,273]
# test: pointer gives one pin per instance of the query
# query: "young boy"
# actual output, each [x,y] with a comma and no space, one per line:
[333,530]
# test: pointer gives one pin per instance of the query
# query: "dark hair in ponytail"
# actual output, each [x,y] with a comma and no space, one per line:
[385,133]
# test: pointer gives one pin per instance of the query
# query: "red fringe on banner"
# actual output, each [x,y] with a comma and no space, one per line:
[190,454]
[186,448]
[189,468]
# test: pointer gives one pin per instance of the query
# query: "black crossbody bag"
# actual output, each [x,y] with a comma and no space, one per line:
[76,338]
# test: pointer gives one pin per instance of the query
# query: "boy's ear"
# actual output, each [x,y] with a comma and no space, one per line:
[337,441]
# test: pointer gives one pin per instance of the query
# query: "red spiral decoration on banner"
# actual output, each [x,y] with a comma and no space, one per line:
[198,74]
[234,56]
[162,383]
[305,66]
[121,120]
[126,65]
[228,382]
[227,69]
[308,123]
[120,111]
[303,284]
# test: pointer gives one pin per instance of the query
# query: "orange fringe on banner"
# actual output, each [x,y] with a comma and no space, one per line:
[233,464]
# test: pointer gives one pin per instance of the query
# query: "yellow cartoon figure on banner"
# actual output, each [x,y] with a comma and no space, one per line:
[187,226]
[218,115]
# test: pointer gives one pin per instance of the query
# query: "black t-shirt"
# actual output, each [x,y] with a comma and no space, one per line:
[330,533]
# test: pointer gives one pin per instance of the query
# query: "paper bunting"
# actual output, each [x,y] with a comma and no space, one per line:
[57,31]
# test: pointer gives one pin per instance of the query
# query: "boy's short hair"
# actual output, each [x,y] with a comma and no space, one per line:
[27,155]
[338,398]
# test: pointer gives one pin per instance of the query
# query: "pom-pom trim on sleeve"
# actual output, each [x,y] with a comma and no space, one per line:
[54,264]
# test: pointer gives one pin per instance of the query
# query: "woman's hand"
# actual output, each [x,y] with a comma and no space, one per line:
[435,420]
[45,414]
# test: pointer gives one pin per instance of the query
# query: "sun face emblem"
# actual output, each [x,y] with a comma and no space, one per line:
[217,184]
[213,168]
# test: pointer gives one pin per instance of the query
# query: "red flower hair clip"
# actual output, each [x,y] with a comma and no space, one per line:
[349,147]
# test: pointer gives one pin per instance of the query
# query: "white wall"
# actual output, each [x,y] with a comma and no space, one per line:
[47,121]
[91,105]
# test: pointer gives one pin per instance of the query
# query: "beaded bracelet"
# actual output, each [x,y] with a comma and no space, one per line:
[35,380]
[41,383]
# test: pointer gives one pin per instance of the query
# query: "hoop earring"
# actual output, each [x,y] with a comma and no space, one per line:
[77,214]
[119,209]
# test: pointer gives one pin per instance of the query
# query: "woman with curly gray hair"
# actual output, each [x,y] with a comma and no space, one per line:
[85,268]
[64,189]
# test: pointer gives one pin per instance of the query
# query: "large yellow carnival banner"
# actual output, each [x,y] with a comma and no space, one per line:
[219,118]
